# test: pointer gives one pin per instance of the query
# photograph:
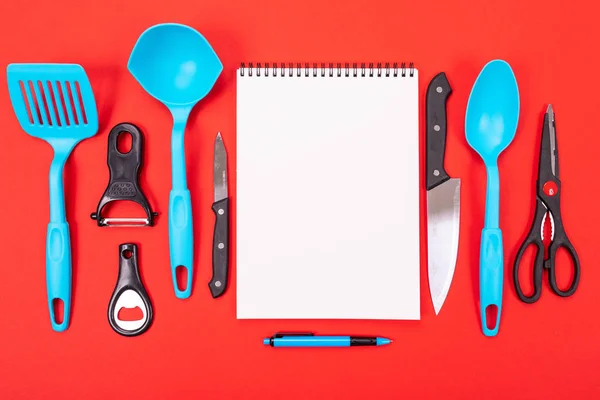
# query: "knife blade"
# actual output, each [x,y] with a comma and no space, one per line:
[220,253]
[443,197]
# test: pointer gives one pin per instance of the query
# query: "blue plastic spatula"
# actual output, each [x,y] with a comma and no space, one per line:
[491,123]
[176,65]
[55,102]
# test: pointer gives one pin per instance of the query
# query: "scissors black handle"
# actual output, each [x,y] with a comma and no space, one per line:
[534,237]
[561,240]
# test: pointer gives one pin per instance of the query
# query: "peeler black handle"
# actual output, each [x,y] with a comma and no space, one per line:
[124,171]
[129,293]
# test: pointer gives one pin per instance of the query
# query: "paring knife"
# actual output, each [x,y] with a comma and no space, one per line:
[443,196]
[220,258]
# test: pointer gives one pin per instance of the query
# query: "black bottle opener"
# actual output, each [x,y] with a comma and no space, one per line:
[129,293]
[123,184]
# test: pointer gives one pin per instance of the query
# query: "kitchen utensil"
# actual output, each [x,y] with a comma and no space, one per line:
[490,124]
[55,102]
[547,204]
[443,196]
[123,185]
[176,65]
[129,293]
[218,283]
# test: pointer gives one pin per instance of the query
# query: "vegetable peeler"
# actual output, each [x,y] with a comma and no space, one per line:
[123,184]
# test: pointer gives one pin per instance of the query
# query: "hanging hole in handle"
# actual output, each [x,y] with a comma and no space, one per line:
[181,273]
[127,254]
[491,316]
[130,314]
[124,142]
[58,308]
[564,269]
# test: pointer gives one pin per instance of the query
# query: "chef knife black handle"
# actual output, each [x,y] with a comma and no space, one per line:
[437,93]
[218,283]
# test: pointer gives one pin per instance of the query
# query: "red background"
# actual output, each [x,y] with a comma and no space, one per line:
[196,348]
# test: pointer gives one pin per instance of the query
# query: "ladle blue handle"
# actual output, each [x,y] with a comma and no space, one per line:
[491,261]
[181,235]
[181,240]
[58,246]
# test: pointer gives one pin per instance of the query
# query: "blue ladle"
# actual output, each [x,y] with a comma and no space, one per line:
[491,123]
[176,65]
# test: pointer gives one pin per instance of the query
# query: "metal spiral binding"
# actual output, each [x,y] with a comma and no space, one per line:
[331,70]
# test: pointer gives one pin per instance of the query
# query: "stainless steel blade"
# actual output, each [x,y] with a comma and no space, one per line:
[443,226]
[220,169]
[552,129]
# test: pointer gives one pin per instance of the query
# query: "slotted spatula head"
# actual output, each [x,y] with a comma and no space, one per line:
[53,101]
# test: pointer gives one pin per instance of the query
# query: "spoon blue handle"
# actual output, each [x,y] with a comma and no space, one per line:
[491,276]
[491,259]
[181,235]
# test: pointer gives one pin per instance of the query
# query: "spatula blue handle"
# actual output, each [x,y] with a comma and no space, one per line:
[58,247]
[491,261]
[181,235]
[58,272]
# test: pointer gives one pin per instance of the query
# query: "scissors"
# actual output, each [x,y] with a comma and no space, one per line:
[547,204]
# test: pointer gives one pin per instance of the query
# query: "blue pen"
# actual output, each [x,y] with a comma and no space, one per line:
[310,340]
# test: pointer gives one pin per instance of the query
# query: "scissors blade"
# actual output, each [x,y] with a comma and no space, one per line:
[552,131]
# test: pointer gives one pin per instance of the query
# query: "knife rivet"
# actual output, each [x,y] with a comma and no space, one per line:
[221,246]
[221,211]
[218,283]
[436,128]
[439,89]
[436,172]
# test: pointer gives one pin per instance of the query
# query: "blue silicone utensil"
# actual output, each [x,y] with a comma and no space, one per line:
[55,102]
[490,124]
[176,65]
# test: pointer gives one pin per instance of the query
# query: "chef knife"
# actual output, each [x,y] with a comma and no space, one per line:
[220,207]
[443,196]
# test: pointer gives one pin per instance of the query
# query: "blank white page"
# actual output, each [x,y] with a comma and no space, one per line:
[327,196]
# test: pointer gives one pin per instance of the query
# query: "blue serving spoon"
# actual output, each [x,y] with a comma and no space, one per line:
[491,123]
[176,65]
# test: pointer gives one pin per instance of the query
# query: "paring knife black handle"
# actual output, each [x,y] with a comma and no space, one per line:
[220,256]
[437,93]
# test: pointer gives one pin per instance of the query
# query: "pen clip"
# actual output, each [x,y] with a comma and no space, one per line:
[280,335]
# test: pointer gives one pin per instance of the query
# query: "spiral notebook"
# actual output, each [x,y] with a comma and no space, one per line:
[327,195]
